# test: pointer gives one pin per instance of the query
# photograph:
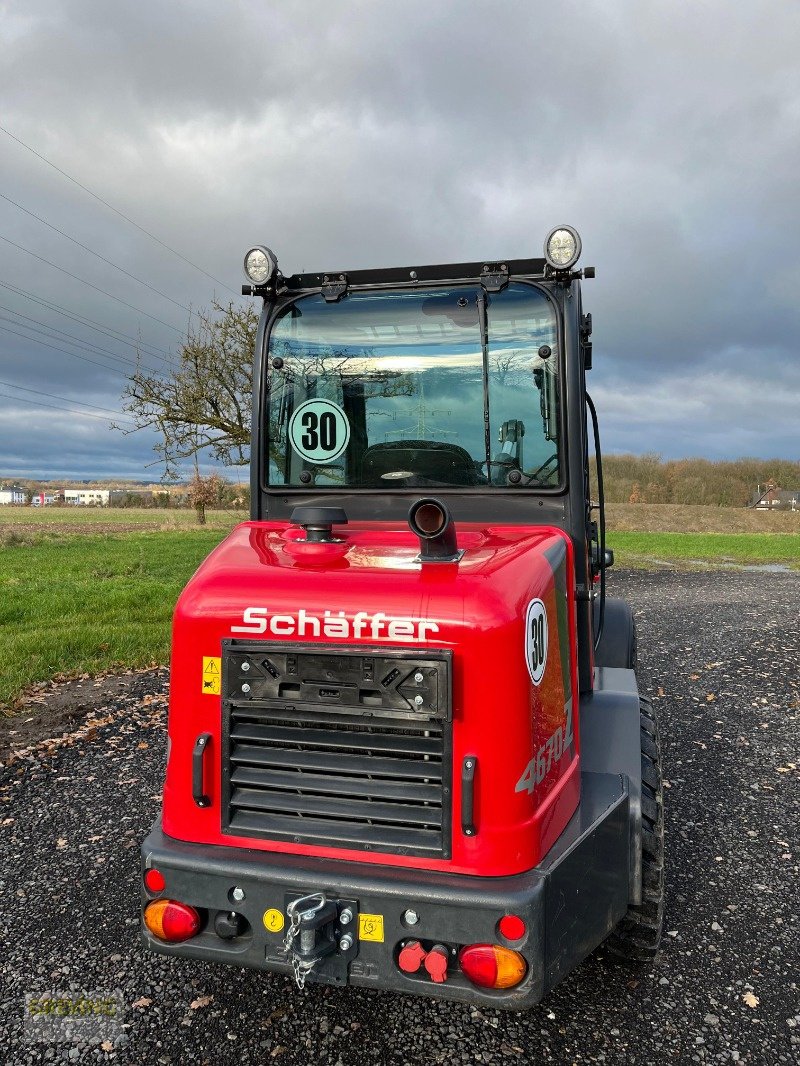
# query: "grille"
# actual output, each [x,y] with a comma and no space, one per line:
[345,749]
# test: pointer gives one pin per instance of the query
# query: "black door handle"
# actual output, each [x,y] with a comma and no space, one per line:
[468,768]
[198,753]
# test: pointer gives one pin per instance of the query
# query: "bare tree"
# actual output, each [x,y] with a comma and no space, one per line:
[203,401]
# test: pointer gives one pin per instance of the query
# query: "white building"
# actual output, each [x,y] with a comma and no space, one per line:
[86,497]
[13,496]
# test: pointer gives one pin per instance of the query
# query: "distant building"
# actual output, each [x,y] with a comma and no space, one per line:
[86,497]
[43,499]
[13,496]
[772,498]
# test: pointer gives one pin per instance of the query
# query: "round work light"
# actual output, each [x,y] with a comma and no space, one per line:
[259,265]
[562,247]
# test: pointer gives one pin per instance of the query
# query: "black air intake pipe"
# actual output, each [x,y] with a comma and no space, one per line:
[432,522]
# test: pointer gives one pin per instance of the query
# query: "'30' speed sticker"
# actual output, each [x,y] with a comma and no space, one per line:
[536,640]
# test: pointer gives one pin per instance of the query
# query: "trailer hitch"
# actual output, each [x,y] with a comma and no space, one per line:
[317,929]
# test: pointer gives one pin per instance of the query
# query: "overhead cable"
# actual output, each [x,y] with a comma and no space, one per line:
[114,334]
[38,403]
[116,211]
[75,355]
[49,332]
[83,281]
[67,399]
[97,255]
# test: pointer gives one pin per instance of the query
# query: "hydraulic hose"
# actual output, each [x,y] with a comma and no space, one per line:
[602,523]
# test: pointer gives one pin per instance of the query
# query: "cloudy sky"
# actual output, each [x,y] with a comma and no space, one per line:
[370,133]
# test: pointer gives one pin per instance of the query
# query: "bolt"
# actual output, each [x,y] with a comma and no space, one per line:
[245,667]
[419,701]
[419,678]
[469,764]
[245,688]
[237,894]
[410,917]
[346,942]
[346,916]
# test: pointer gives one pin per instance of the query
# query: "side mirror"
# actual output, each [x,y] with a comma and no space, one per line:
[608,558]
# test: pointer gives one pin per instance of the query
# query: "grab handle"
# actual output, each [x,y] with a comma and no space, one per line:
[198,754]
[468,768]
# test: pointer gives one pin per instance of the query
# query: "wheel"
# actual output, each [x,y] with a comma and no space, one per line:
[638,935]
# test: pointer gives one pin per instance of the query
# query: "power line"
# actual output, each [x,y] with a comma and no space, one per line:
[37,403]
[75,355]
[116,211]
[49,331]
[97,255]
[67,399]
[83,281]
[114,334]
[87,346]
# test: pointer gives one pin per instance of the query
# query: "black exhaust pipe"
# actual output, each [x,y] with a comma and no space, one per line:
[432,522]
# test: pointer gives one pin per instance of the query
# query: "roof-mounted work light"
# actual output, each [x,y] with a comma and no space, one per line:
[260,264]
[562,247]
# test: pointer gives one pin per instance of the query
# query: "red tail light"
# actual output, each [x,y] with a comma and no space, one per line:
[491,966]
[511,927]
[169,920]
[154,881]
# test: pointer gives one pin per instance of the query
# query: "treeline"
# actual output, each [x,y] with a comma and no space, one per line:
[222,495]
[730,483]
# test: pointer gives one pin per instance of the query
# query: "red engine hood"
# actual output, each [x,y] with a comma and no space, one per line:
[264,582]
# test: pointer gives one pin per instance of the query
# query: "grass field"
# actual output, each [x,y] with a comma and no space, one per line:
[95,520]
[705,549]
[74,605]
[86,591]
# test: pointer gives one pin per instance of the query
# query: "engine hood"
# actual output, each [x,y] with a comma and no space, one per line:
[264,582]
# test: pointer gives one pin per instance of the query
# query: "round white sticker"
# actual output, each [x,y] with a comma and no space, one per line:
[536,639]
[319,431]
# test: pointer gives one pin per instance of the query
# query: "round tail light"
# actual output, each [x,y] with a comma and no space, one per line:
[511,927]
[169,920]
[492,966]
[154,881]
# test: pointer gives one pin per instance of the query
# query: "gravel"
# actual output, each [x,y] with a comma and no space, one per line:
[720,654]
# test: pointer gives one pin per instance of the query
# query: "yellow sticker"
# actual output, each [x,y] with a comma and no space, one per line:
[370,927]
[273,920]
[212,675]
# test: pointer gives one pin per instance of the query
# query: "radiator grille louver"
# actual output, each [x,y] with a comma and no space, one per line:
[337,776]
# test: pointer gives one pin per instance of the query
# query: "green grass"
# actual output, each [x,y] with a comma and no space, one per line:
[90,519]
[74,605]
[740,549]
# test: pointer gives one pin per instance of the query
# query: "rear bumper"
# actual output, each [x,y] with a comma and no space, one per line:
[569,903]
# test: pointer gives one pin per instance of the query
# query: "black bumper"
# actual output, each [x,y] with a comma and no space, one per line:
[569,903]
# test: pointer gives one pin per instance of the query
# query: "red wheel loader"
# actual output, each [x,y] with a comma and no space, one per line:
[407,748]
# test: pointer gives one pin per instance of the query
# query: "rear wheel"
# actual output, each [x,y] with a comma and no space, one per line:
[638,935]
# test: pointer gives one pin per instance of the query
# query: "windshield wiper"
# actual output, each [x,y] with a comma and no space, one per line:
[483,323]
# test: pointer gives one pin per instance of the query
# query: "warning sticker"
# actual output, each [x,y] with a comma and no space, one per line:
[212,675]
[273,920]
[370,927]
[319,431]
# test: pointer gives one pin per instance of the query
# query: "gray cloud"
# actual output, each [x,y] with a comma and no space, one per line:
[376,133]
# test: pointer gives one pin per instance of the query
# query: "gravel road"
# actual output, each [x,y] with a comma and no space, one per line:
[720,653]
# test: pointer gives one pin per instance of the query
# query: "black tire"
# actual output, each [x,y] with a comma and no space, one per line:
[638,935]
